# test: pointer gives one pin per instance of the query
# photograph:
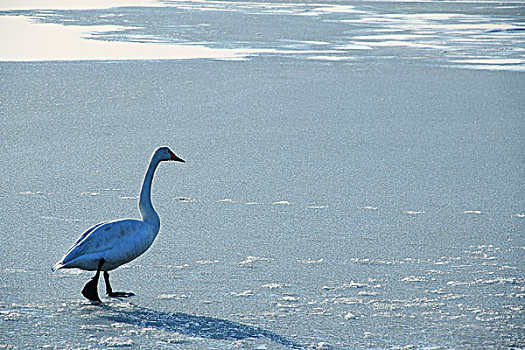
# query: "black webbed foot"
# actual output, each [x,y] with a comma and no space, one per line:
[111,293]
[120,294]
[90,290]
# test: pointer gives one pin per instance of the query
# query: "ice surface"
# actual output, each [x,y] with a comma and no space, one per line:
[25,41]
[441,33]
[326,204]
[368,246]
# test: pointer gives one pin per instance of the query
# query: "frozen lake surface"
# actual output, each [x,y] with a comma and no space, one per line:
[332,197]
[487,35]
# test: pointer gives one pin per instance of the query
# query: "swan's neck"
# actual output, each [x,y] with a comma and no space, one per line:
[145,207]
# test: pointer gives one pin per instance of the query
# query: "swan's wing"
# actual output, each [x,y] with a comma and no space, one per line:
[85,234]
[61,262]
[101,238]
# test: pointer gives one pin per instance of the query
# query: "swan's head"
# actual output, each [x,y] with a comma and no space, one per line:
[164,153]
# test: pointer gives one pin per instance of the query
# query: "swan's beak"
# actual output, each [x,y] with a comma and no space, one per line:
[175,158]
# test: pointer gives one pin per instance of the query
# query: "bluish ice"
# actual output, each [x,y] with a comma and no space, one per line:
[353,178]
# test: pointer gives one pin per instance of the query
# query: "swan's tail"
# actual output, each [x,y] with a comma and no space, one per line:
[57,266]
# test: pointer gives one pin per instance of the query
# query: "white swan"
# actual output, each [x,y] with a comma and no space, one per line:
[109,244]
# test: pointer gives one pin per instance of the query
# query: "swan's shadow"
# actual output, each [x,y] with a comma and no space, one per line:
[192,325]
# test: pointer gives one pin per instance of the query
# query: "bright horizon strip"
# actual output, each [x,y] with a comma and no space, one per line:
[9,5]
[23,40]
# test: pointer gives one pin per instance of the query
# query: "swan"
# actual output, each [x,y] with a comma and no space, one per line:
[109,244]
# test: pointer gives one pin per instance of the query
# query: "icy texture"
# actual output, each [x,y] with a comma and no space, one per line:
[323,204]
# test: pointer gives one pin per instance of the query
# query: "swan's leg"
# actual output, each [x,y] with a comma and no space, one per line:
[90,289]
[109,290]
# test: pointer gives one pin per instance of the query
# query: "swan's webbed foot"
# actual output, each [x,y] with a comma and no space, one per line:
[90,290]
[120,294]
[111,293]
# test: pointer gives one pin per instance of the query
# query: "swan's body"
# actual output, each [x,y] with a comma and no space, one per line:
[117,242]
[110,244]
